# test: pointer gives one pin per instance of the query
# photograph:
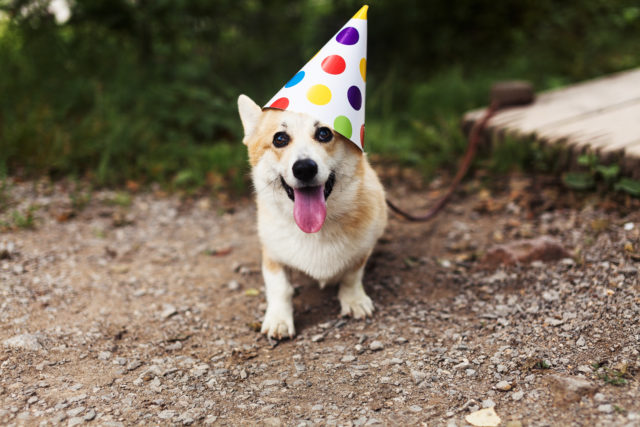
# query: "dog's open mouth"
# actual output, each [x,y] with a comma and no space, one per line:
[310,204]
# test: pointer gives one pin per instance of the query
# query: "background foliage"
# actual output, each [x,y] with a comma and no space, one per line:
[146,90]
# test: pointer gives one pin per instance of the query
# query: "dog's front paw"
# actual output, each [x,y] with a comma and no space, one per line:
[278,324]
[355,303]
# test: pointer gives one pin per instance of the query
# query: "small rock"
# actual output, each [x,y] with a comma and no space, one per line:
[270,383]
[317,338]
[74,421]
[233,285]
[133,365]
[213,418]
[6,250]
[552,320]
[585,369]
[59,417]
[187,419]
[488,403]
[470,372]
[415,408]
[77,398]
[518,395]
[174,346]
[376,346]
[606,408]
[120,361]
[75,411]
[167,414]
[243,374]
[168,310]
[418,376]
[551,295]
[501,369]
[104,355]
[581,341]
[503,386]
[484,417]
[599,397]
[272,422]
[462,365]
[348,358]
[23,342]
[90,415]
[317,407]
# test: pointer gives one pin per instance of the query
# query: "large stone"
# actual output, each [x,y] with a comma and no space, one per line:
[569,389]
[542,248]
[23,342]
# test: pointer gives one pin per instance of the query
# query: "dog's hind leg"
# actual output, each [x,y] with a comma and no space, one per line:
[353,299]
[278,320]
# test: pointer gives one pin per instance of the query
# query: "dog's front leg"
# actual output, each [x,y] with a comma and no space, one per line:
[278,320]
[353,299]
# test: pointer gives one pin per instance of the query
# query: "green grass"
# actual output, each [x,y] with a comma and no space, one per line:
[5,194]
[26,220]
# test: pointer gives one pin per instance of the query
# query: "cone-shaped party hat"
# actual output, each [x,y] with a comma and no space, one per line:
[331,86]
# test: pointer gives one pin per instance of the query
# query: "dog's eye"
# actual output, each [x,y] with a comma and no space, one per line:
[280,139]
[324,134]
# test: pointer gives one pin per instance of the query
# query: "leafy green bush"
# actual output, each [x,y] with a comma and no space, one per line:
[147,90]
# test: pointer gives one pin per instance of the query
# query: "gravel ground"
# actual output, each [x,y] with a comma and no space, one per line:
[119,313]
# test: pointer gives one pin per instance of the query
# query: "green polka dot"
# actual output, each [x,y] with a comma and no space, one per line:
[342,125]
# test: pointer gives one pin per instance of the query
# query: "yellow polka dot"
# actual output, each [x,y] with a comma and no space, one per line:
[363,69]
[362,13]
[319,94]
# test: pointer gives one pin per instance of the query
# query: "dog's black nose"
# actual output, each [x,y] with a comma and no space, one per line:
[305,169]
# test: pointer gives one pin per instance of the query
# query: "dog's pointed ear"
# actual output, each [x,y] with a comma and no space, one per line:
[249,114]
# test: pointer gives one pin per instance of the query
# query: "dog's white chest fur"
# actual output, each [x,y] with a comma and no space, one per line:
[324,256]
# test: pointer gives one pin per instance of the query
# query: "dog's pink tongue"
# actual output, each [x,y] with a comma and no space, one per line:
[309,208]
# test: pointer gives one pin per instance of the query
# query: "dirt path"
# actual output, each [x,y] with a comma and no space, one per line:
[147,314]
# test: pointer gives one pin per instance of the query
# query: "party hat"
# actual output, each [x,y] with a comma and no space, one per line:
[331,86]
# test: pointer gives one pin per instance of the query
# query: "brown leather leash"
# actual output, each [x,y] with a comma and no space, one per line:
[503,95]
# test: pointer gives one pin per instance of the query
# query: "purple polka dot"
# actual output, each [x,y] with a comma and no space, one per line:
[348,36]
[355,97]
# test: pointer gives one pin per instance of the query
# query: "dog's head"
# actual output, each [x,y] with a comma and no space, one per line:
[299,165]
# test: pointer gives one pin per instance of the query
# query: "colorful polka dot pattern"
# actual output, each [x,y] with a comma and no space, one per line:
[319,94]
[295,79]
[342,125]
[280,103]
[331,86]
[333,64]
[348,36]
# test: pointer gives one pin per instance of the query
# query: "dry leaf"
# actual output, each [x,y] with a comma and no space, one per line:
[252,292]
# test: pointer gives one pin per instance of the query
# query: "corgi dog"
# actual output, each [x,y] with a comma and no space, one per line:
[320,206]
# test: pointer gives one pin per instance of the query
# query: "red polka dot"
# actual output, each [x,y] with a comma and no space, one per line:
[362,136]
[333,64]
[280,103]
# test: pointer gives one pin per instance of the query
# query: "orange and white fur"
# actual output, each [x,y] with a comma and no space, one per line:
[321,209]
